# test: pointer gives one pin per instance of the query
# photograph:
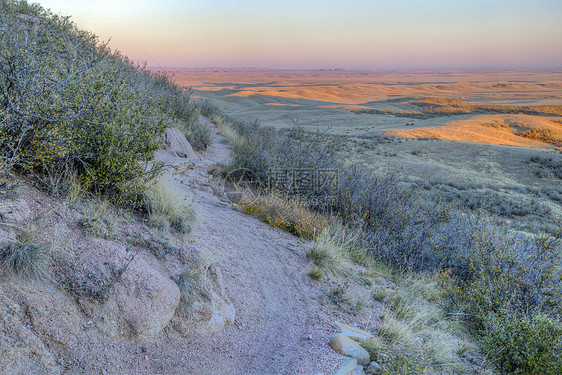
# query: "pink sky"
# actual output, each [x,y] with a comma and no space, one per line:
[328,34]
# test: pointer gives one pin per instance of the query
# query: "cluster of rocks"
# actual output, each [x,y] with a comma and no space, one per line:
[347,343]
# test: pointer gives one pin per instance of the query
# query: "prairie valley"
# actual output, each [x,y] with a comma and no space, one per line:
[486,139]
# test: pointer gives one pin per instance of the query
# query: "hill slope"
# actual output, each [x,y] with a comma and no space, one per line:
[283,318]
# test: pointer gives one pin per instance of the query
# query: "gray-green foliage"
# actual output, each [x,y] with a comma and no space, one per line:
[68,101]
[261,149]
[508,284]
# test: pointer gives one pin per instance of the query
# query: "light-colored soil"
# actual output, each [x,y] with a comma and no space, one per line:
[283,318]
[266,276]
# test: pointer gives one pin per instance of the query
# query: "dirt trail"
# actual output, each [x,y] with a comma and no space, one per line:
[281,323]
[283,317]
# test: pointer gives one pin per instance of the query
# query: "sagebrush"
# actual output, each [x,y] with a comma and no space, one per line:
[69,102]
[506,283]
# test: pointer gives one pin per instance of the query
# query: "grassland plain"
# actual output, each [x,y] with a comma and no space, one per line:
[507,281]
[487,139]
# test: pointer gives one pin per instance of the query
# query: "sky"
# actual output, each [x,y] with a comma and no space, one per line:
[312,34]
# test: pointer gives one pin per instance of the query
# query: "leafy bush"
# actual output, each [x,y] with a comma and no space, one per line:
[258,150]
[529,345]
[69,102]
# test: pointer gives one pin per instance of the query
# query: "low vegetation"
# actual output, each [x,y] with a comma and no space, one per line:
[70,103]
[168,205]
[436,107]
[27,254]
[504,285]
[94,221]
[289,214]
[329,254]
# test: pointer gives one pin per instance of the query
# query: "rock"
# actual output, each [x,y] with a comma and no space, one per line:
[205,306]
[14,212]
[176,143]
[355,333]
[347,347]
[358,371]
[146,299]
[374,368]
[348,367]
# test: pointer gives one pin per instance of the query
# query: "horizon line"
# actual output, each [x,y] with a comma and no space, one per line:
[389,70]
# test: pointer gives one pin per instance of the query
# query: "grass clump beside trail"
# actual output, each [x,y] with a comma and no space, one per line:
[169,206]
[504,285]
[289,214]
[70,103]
[329,255]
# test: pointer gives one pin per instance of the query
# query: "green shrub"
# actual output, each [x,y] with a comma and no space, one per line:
[69,102]
[522,344]
[258,150]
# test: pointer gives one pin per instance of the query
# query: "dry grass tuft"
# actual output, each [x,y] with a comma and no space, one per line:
[329,255]
[95,221]
[28,254]
[316,273]
[286,213]
[415,337]
[190,282]
[168,205]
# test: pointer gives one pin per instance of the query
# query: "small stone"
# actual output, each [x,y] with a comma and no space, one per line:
[354,332]
[347,347]
[176,143]
[309,337]
[143,349]
[374,368]
[358,371]
[347,368]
